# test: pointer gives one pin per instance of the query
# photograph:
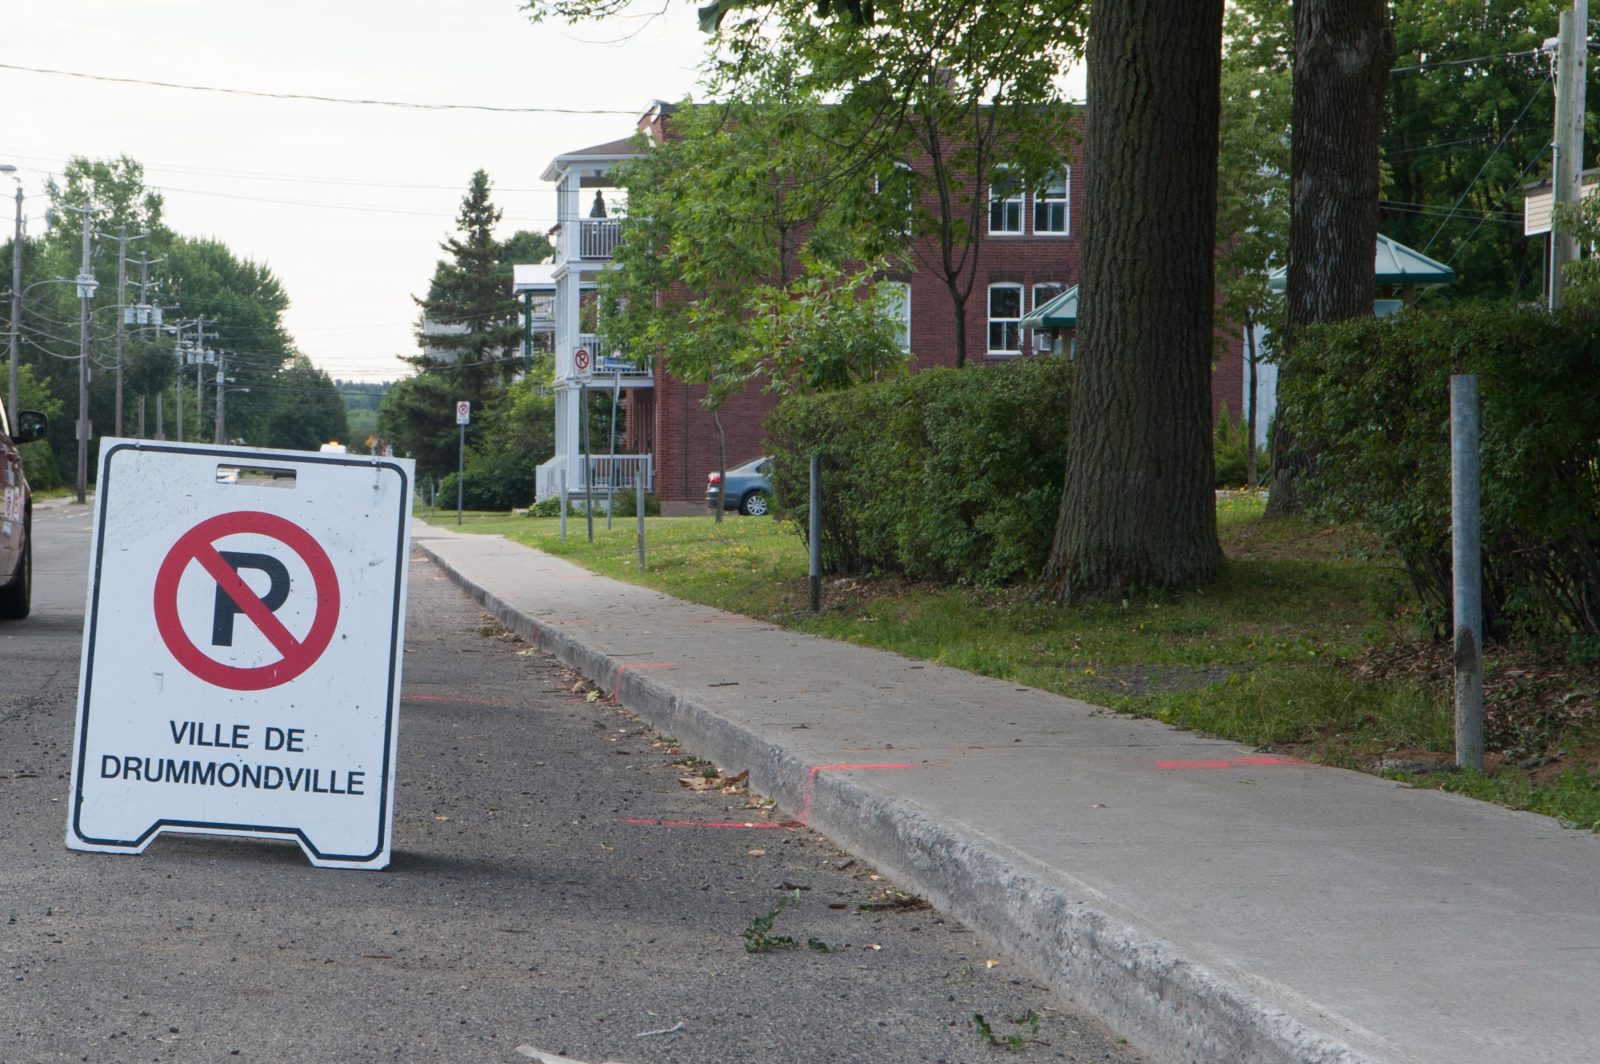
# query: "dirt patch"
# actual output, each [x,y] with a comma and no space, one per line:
[1534,704]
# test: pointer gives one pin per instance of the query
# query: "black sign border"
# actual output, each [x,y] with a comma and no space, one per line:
[392,708]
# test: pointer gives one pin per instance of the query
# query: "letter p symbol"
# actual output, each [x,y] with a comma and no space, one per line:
[226,609]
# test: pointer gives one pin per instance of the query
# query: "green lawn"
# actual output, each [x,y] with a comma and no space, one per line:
[1260,657]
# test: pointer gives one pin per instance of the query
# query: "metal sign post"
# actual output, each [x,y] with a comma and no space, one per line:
[463,417]
[242,650]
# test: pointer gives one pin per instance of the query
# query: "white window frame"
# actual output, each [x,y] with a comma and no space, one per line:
[1015,328]
[1036,336]
[908,176]
[898,297]
[1003,207]
[1051,197]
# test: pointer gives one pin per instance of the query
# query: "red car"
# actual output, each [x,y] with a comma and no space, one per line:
[16,513]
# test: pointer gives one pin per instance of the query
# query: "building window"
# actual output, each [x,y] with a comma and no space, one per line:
[1039,339]
[1051,203]
[1005,312]
[1006,200]
[900,185]
[897,302]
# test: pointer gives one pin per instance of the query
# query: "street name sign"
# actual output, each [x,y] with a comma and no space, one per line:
[241,649]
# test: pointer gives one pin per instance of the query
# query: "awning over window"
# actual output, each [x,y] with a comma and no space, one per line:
[1397,265]
[1059,313]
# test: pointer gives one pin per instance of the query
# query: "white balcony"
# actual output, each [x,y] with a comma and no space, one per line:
[597,237]
[607,474]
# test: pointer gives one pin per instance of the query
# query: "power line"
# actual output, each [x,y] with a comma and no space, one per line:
[264,94]
[1500,144]
[1432,64]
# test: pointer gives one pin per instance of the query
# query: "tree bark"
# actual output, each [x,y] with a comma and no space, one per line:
[1137,509]
[1343,51]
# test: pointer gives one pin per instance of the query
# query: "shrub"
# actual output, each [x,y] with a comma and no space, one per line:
[1231,447]
[1370,399]
[624,505]
[950,475]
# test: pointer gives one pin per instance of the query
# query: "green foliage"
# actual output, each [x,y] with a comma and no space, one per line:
[33,393]
[1371,397]
[758,937]
[1471,132]
[1231,448]
[508,439]
[1581,276]
[418,418]
[1252,159]
[624,504]
[471,291]
[1013,1040]
[946,475]
[306,410]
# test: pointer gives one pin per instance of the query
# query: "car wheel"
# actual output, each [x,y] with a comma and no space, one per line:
[754,504]
[16,598]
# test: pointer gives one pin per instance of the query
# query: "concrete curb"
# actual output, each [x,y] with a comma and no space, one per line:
[1078,944]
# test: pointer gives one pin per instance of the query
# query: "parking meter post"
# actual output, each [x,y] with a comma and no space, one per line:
[1466,570]
[816,533]
[563,472]
[638,506]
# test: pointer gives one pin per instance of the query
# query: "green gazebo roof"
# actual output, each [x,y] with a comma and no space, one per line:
[1396,264]
[1059,313]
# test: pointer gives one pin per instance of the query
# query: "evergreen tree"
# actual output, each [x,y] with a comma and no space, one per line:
[469,302]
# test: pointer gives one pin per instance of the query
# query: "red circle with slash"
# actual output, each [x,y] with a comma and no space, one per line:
[199,545]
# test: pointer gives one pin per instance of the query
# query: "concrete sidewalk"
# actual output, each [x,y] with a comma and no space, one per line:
[1210,903]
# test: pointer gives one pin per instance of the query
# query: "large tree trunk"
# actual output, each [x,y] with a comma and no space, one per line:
[1137,509]
[1343,51]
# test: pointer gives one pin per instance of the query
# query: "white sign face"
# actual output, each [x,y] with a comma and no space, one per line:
[463,413]
[242,648]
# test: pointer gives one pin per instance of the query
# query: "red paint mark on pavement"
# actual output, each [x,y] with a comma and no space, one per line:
[616,676]
[811,782]
[714,823]
[1232,762]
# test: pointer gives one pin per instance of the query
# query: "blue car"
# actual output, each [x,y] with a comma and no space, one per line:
[749,488]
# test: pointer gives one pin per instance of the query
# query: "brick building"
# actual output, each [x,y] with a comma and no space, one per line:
[1027,253]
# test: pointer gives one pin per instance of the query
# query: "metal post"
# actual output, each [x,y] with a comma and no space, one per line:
[563,472]
[638,506]
[16,308]
[611,481]
[1466,571]
[815,516]
[141,417]
[161,412]
[461,472]
[588,477]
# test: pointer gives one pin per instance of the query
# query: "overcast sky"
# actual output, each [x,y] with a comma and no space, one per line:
[345,203]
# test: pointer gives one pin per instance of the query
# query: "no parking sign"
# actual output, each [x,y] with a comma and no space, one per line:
[242,649]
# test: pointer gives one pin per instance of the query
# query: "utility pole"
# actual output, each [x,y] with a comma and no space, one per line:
[222,414]
[16,310]
[1572,50]
[122,300]
[86,287]
[177,353]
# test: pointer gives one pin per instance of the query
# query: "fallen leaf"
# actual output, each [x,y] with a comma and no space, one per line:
[700,783]
[757,852]
[990,963]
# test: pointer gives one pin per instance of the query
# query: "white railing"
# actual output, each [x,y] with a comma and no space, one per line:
[615,473]
[597,238]
[606,474]
[605,365]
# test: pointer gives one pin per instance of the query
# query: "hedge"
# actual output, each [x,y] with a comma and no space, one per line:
[950,475]
[1371,400]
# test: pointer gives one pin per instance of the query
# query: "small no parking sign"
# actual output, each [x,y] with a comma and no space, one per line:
[242,649]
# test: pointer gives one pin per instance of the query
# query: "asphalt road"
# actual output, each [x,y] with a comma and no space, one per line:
[552,888]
